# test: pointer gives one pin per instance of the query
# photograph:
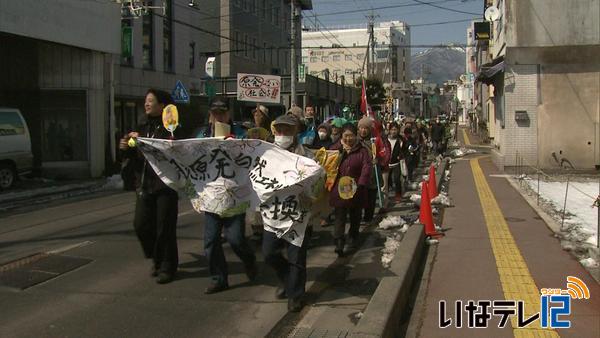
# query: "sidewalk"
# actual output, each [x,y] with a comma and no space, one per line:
[497,248]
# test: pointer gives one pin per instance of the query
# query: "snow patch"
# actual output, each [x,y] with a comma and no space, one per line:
[391,222]
[442,200]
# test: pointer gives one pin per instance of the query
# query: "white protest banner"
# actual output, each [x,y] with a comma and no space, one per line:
[226,177]
[258,88]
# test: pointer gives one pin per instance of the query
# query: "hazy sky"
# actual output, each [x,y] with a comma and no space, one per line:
[411,12]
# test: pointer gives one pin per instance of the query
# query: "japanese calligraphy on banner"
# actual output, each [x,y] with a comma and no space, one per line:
[258,88]
[226,177]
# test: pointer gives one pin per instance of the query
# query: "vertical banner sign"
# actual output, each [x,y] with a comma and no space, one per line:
[259,88]
[210,67]
[301,73]
[126,41]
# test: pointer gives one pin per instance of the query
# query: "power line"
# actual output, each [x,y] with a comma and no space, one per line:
[445,8]
[385,7]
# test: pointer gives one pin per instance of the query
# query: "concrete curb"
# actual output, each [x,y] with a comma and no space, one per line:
[382,315]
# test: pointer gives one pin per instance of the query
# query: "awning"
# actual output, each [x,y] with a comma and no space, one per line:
[489,70]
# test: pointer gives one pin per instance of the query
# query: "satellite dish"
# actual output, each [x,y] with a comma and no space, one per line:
[492,13]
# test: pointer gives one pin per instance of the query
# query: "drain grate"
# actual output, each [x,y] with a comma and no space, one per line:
[32,270]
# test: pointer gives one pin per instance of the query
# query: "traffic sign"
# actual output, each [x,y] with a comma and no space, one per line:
[180,94]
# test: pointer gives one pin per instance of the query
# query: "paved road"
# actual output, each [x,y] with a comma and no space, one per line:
[114,296]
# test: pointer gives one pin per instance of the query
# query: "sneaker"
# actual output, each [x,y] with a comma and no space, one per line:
[251,272]
[164,277]
[295,304]
[280,293]
[215,287]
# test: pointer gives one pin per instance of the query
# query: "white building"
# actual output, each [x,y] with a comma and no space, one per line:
[344,52]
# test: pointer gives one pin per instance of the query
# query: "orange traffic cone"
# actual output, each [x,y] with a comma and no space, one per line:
[433,192]
[425,213]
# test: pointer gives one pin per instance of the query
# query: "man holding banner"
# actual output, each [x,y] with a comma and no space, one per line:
[233,222]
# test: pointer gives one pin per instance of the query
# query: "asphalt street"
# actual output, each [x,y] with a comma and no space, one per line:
[114,296]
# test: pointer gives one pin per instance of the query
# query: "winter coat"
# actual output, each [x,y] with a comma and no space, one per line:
[357,164]
[397,154]
[144,177]
[437,132]
[326,143]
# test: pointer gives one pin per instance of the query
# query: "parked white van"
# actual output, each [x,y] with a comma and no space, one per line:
[15,147]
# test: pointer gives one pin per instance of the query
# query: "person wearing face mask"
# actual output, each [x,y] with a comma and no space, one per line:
[323,139]
[349,192]
[291,271]
[156,205]
[213,224]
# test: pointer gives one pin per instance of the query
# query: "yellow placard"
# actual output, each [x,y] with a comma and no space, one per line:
[347,187]
[170,118]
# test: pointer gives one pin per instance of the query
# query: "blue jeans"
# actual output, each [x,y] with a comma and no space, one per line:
[291,271]
[235,234]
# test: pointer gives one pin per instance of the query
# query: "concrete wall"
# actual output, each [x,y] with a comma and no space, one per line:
[543,23]
[266,25]
[570,114]
[134,81]
[87,24]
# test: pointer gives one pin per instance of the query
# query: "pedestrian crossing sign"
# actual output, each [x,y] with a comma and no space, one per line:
[180,94]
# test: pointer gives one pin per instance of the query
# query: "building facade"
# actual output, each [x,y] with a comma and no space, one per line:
[59,76]
[341,55]
[542,73]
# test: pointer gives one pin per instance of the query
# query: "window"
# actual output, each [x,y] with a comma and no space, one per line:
[348,57]
[325,58]
[348,71]
[264,52]
[314,59]
[275,18]
[403,52]
[360,56]
[127,42]
[254,47]
[382,54]
[264,9]
[404,66]
[11,124]
[64,125]
[247,5]
[246,43]
[305,59]
[167,37]
[336,58]
[148,41]
[238,43]
[237,3]
[192,55]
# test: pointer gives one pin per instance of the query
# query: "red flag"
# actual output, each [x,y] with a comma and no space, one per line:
[363,99]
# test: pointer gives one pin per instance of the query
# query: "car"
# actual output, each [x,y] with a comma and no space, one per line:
[16,157]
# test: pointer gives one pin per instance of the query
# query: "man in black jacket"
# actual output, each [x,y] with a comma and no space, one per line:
[437,136]
[156,209]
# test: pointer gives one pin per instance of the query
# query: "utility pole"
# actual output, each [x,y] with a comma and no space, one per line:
[294,61]
[422,83]
[371,46]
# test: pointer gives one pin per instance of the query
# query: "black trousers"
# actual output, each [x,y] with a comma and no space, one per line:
[291,271]
[341,216]
[155,225]
[396,179]
[370,204]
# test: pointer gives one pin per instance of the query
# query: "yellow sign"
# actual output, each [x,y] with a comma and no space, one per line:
[170,118]
[347,187]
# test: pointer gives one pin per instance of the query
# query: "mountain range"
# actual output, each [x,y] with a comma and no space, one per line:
[441,64]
